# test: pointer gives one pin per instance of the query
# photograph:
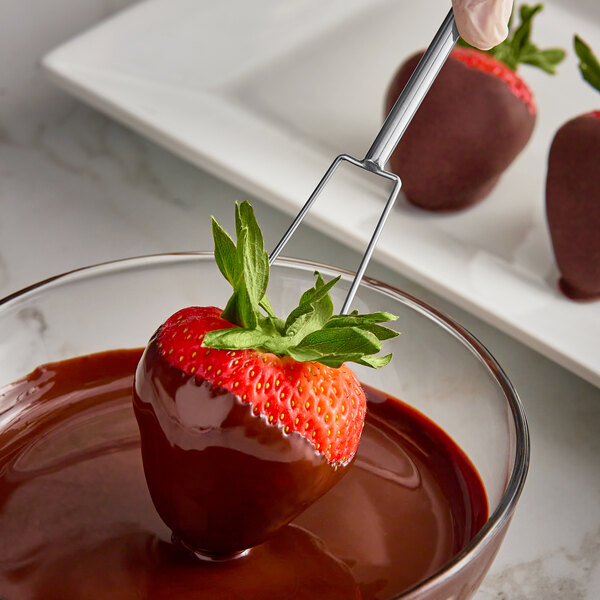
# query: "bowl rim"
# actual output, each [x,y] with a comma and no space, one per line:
[514,486]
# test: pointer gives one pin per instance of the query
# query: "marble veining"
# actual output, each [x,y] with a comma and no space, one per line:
[34,317]
[557,575]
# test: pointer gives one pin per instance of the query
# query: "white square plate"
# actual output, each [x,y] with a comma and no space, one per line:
[266,93]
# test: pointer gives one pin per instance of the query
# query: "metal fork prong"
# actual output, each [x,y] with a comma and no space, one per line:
[372,243]
[361,164]
[290,231]
[385,143]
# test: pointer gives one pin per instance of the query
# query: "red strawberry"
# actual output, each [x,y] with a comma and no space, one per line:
[573,194]
[243,425]
[325,405]
[477,117]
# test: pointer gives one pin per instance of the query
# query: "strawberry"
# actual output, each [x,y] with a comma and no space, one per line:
[323,404]
[478,115]
[246,419]
[573,193]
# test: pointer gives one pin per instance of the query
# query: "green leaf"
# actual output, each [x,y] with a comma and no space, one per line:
[543,59]
[311,331]
[251,254]
[234,339]
[376,317]
[341,340]
[250,269]
[240,309]
[375,362]
[522,33]
[266,306]
[322,301]
[380,332]
[337,360]
[318,289]
[225,253]
[554,56]
[505,53]
[314,310]
[271,323]
[245,266]
[238,220]
[588,63]
[304,354]
[331,360]
[367,322]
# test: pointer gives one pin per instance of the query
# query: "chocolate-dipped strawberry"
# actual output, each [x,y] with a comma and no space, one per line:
[478,115]
[246,419]
[573,193]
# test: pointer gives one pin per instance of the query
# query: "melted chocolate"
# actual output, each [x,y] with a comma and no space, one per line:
[573,206]
[76,519]
[468,130]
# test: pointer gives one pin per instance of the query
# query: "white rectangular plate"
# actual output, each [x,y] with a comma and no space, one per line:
[266,93]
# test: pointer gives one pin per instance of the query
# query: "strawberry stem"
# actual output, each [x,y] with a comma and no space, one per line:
[311,331]
[517,48]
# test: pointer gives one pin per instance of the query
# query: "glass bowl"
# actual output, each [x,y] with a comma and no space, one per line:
[438,367]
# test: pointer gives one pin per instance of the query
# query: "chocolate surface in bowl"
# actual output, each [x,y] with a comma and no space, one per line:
[77,521]
[438,369]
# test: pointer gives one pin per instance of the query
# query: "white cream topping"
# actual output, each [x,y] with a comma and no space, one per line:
[482,23]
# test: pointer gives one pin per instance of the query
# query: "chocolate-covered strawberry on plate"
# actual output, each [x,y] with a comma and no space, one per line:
[573,193]
[475,120]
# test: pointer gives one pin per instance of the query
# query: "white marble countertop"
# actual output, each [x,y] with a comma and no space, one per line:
[77,188]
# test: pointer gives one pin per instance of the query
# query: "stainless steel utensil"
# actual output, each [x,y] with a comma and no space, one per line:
[388,137]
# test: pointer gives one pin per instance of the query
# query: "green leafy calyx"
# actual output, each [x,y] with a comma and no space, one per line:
[517,48]
[311,331]
[588,63]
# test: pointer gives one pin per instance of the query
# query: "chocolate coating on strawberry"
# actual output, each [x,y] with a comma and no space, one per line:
[475,120]
[573,194]
[468,130]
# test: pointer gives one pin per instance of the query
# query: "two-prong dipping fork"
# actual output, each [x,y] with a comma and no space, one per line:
[388,137]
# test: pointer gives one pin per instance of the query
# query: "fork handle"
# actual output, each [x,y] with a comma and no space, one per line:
[413,93]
